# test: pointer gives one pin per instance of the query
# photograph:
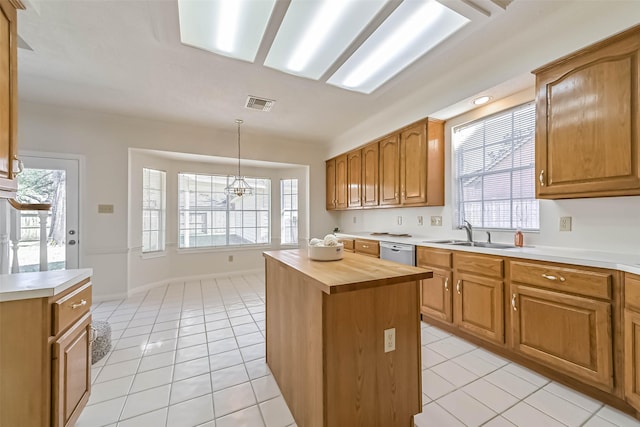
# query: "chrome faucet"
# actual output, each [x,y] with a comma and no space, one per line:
[469,229]
[488,236]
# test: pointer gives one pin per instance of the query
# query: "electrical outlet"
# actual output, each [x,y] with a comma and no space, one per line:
[399,220]
[355,219]
[565,223]
[230,258]
[389,340]
[436,221]
[420,220]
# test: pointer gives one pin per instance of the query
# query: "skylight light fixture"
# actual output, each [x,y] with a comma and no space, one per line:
[414,28]
[231,28]
[313,34]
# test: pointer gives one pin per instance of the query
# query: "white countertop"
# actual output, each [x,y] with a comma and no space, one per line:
[629,262]
[40,284]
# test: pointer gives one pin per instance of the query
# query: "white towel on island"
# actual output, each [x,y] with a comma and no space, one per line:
[315,242]
[330,240]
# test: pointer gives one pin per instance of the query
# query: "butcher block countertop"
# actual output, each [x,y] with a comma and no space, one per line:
[353,272]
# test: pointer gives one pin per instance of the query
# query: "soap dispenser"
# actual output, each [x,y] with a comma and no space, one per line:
[518,238]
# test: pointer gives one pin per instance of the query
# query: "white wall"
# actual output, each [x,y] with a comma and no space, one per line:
[606,224]
[104,139]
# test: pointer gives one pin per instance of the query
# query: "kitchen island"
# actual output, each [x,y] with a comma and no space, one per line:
[326,324]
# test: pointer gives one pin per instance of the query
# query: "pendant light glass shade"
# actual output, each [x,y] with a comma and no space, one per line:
[239,186]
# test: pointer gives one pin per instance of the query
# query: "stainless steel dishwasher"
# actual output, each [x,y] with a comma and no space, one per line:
[398,252]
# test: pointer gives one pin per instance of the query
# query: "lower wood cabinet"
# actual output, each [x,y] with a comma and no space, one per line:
[479,307]
[567,332]
[367,247]
[632,340]
[45,358]
[435,295]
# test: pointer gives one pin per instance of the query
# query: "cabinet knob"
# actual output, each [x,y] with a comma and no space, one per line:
[446,284]
[513,302]
[82,303]
[553,278]
[458,286]
[541,178]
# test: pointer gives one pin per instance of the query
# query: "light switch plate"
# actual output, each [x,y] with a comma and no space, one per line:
[436,221]
[107,209]
[420,220]
[399,220]
[565,223]
[389,340]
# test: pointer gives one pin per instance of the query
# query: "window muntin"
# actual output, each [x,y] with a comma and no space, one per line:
[494,171]
[153,210]
[289,211]
[209,218]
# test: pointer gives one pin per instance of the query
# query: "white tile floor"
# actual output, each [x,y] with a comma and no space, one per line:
[192,354]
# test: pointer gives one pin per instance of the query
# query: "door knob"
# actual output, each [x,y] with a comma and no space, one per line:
[71,242]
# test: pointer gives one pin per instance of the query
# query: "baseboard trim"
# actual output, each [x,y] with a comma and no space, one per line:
[108,297]
[153,285]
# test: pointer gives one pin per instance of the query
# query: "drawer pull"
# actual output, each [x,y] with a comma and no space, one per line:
[458,286]
[551,277]
[365,246]
[513,302]
[446,284]
[82,303]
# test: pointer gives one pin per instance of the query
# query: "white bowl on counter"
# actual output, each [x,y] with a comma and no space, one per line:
[326,253]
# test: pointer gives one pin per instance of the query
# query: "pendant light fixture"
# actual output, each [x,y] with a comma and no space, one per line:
[239,186]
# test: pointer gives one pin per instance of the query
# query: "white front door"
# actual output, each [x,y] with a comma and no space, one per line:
[52,180]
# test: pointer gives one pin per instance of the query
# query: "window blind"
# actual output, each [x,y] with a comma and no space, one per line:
[494,168]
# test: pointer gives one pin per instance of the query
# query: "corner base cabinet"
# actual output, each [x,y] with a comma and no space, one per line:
[632,340]
[45,358]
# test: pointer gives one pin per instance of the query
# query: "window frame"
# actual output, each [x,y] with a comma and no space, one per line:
[283,210]
[162,211]
[457,178]
[228,212]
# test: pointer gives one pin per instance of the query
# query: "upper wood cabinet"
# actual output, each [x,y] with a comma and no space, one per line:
[587,126]
[330,176]
[354,179]
[341,182]
[8,94]
[370,174]
[405,168]
[389,171]
[422,164]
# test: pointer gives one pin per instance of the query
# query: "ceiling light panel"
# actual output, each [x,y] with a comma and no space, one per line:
[313,34]
[231,28]
[414,28]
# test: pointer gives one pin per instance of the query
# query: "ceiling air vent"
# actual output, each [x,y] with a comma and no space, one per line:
[261,104]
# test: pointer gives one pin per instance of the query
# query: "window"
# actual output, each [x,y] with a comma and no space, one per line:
[494,183]
[289,211]
[153,210]
[210,218]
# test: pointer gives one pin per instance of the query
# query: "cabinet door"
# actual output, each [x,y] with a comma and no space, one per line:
[341,182]
[71,373]
[8,92]
[479,306]
[413,165]
[370,175]
[632,357]
[436,295]
[587,126]
[331,184]
[354,177]
[389,171]
[566,332]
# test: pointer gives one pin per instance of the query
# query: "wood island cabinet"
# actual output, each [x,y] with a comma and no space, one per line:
[632,340]
[587,128]
[562,317]
[8,94]
[45,358]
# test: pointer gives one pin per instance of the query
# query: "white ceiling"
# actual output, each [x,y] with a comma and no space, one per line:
[124,56]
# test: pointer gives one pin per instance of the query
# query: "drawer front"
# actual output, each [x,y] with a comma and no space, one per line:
[367,247]
[348,244]
[632,291]
[70,308]
[583,282]
[434,257]
[479,264]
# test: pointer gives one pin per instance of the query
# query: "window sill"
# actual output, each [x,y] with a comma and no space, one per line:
[152,255]
[214,249]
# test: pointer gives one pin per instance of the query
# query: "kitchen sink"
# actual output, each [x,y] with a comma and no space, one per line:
[474,244]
